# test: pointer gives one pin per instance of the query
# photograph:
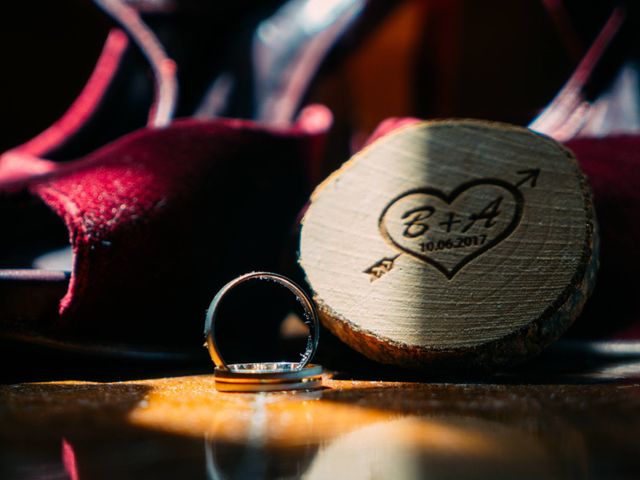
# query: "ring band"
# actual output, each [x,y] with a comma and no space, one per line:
[305,384]
[269,368]
[267,377]
[281,371]
[254,377]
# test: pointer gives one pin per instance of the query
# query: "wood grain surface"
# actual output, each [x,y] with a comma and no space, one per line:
[181,427]
[452,244]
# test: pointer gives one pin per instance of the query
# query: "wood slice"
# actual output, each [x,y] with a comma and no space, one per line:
[452,243]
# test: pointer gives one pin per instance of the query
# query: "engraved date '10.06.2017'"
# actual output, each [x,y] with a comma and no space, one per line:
[455,242]
[447,231]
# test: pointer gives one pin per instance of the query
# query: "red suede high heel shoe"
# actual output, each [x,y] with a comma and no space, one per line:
[157,221]
[31,288]
[185,181]
[598,117]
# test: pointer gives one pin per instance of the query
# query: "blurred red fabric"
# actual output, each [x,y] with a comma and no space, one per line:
[162,218]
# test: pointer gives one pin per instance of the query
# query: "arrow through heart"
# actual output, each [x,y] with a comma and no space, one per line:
[449,230]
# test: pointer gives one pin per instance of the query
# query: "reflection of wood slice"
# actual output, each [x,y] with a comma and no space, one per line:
[448,447]
[457,243]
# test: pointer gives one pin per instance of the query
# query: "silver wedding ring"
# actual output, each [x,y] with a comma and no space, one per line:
[265,376]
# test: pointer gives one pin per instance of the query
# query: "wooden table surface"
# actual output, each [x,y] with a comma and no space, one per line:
[547,422]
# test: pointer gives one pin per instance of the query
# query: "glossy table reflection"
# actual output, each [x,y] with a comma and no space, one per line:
[507,427]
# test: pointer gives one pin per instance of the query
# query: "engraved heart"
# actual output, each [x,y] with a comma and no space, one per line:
[448,231]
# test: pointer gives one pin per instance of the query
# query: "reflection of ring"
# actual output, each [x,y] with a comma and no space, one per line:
[268,375]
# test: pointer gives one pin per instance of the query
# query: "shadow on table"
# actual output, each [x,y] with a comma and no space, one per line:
[565,362]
